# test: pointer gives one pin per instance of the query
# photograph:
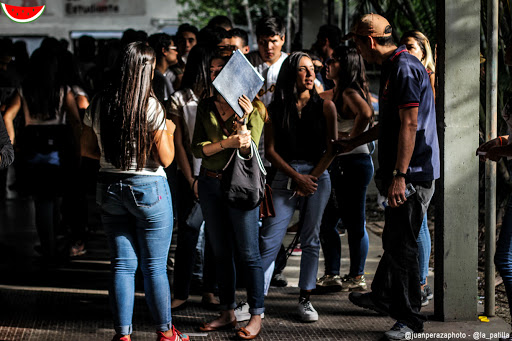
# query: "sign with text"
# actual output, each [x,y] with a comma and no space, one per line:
[104,7]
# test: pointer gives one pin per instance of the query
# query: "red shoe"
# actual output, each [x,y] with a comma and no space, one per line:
[119,338]
[176,336]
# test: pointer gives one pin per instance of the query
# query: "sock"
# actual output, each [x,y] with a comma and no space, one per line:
[304,295]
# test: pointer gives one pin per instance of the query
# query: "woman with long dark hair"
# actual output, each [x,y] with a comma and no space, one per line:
[297,143]
[217,134]
[350,172]
[125,128]
[182,111]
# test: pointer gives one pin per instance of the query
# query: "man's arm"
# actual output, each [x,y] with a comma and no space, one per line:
[406,142]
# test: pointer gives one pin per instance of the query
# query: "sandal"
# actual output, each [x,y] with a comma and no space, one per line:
[244,334]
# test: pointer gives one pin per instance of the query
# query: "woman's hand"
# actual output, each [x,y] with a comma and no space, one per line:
[238,140]
[246,105]
[306,184]
[485,147]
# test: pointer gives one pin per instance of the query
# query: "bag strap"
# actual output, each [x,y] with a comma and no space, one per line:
[254,153]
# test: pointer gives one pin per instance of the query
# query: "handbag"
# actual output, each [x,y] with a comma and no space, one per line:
[243,180]
[267,209]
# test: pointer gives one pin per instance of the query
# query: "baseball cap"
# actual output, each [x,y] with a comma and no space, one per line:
[373,25]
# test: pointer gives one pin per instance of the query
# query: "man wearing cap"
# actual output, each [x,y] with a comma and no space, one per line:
[408,154]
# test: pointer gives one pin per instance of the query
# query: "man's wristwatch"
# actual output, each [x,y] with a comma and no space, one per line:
[396,173]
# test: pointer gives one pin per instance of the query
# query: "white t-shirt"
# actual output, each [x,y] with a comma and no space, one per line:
[183,104]
[270,73]
[156,121]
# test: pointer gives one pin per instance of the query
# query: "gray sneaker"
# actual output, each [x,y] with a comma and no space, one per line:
[306,311]
[353,284]
[399,332]
[242,312]
[332,281]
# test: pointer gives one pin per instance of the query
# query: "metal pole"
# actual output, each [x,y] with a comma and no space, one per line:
[490,167]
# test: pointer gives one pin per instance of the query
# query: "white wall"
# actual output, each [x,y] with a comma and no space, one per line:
[55,22]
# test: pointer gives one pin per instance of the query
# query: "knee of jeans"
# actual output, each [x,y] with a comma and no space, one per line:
[249,256]
[154,267]
[124,265]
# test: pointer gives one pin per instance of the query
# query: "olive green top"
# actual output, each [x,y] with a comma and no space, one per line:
[207,130]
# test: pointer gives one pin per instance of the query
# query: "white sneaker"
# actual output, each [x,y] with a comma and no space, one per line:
[242,312]
[306,311]
[399,332]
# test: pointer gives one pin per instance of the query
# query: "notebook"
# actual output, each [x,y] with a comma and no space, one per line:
[238,77]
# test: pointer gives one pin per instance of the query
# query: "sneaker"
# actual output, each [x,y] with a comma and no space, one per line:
[353,284]
[176,336]
[242,312]
[306,311]
[331,281]
[279,280]
[119,338]
[77,249]
[399,332]
[365,301]
[424,298]
[428,291]
[297,251]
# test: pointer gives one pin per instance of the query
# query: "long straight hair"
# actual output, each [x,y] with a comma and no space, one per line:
[197,73]
[352,73]
[124,104]
[285,95]
[424,44]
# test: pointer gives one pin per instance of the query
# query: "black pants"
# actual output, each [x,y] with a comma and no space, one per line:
[186,246]
[396,286]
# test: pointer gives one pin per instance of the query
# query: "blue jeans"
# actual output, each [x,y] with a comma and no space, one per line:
[424,248]
[228,228]
[503,256]
[274,229]
[350,176]
[136,212]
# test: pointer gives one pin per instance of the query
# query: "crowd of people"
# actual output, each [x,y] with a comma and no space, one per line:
[140,118]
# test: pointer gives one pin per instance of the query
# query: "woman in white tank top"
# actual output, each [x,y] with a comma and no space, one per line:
[350,172]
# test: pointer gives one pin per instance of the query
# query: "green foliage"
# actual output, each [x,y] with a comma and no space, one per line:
[200,12]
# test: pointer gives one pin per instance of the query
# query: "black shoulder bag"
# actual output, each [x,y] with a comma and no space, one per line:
[243,179]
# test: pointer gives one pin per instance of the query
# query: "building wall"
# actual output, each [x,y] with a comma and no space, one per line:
[63,16]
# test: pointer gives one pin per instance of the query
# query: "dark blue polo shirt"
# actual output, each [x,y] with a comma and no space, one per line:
[404,83]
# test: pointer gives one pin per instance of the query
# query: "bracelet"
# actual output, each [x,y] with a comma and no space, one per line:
[220,142]
[193,183]
[501,140]
[171,135]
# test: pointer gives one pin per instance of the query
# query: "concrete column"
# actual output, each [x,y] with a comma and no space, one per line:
[456,231]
